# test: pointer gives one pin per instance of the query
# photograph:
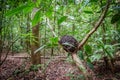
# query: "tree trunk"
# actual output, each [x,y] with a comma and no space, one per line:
[0,49]
[35,57]
[27,32]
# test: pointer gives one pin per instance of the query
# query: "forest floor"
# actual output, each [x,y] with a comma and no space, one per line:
[19,67]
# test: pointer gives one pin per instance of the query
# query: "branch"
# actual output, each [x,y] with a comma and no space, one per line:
[51,28]
[77,61]
[98,23]
[8,52]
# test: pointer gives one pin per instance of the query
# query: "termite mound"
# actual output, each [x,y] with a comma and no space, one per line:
[68,43]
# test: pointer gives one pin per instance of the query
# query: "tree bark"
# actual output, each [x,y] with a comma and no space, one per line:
[27,32]
[35,57]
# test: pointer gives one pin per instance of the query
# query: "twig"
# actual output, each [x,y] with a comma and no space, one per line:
[51,28]
[8,52]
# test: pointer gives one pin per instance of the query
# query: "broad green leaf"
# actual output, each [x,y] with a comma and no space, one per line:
[15,11]
[53,42]
[19,9]
[62,19]
[88,49]
[29,8]
[36,18]
[54,39]
[38,3]
[49,12]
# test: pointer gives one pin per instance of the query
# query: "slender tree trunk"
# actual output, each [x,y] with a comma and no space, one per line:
[28,31]
[1,27]
[35,57]
[0,49]
[12,40]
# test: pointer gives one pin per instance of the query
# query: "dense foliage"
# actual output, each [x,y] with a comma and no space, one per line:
[57,18]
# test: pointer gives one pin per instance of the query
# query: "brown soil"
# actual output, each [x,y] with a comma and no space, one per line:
[57,69]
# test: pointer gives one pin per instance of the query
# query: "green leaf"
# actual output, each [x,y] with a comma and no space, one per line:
[110,54]
[81,55]
[88,49]
[49,12]
[54,41]
[19,9]
[15,11]
[62,19]
[96,57]
[88,12]
[36,18]
[90,65]
[109,50]
[38,3]
[29,8]
[108,47]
